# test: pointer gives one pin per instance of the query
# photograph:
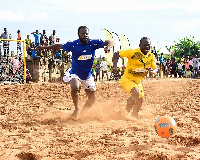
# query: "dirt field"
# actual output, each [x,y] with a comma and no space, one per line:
[35,122]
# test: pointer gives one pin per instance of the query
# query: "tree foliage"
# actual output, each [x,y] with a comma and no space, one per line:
[185,46]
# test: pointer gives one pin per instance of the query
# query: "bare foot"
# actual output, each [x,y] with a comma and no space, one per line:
[84,111]
[135,114]
[75,113]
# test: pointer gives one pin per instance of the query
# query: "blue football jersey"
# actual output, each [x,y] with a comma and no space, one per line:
[83,56]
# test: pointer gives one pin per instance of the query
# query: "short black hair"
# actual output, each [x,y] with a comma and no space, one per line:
[79,28]
[144,38]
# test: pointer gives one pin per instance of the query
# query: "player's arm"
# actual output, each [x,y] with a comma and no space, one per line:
[115,60]
[107,45]
[55,47]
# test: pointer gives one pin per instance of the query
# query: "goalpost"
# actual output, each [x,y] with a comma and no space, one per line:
[23,50]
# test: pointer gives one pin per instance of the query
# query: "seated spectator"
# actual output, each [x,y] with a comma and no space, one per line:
[28,76]
[188,73]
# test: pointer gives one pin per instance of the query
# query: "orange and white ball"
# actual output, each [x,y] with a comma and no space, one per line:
[165,126]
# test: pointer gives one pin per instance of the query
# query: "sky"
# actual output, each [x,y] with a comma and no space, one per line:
[163,21]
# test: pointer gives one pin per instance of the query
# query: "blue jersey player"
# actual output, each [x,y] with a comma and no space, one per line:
[83,53]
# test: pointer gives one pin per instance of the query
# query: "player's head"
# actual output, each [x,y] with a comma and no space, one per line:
[83,34]
[145,45]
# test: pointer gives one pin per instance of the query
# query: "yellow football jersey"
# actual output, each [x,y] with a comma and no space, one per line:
[137,64]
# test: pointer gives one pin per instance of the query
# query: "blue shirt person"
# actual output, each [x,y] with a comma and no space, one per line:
[37,36]
[83,53]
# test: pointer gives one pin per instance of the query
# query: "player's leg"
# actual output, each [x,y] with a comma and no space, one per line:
[75,84]
[131,101]
[90,88]
[134,102]
[137,106]
[90,99]
[102,74]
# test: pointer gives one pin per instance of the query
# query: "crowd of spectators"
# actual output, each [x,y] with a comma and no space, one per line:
[184,67]
[10,63]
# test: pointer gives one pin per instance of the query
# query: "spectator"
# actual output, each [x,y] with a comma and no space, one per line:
[16,65]
[191,63]
[168,67]
[97,70]
[19,42]
[104,65]
[37,36]
[154,51]
[52,38]
[174,69]
[196,65]
[158,67]
[180,68]
[188,73]
[44,39]
[5,35]
[93,70]
[183,61]
[161,59]
[28,42]
[186,62]
[28,76]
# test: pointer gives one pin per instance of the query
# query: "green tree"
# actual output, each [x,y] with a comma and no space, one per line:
[185,46]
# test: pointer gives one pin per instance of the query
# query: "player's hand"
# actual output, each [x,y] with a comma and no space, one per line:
[114,69]
[107,49]
[151,71]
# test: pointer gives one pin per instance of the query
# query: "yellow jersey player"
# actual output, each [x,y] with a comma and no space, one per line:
[140,62]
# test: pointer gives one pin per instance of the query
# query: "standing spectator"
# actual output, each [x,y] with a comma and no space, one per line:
[19,37]
[44,39]
[37,36]
[5,35]
[93,70]
[161,59]
[168,67]
[16,65]
[180,68]
[104,65]
[196,65]
[174,69]
[191,63]
[97,70]
[28,42]
[186,62]
[183,61]
[0,49]
[154,51]
[52,38]
[158,67]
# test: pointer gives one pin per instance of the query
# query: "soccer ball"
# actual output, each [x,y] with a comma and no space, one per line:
[165,126]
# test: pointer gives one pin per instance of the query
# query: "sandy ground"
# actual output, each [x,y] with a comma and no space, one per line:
[35,123]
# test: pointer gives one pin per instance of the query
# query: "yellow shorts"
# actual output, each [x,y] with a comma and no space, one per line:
[128,84]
